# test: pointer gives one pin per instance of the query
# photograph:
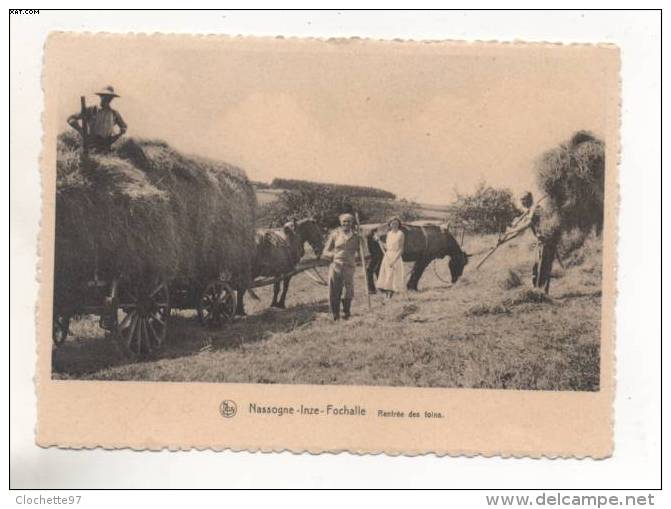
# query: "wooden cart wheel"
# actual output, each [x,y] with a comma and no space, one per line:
[217,304]
[144,327]
[61,328]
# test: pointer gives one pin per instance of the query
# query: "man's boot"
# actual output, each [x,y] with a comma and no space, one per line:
[335,310]
[346,305]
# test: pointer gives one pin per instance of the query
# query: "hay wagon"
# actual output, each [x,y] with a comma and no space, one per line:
[144,230]
[136,311]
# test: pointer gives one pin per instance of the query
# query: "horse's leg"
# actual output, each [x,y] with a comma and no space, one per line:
[240,306]
[276,291]
[372,273]
[373,268]
[285,288]
[417,270]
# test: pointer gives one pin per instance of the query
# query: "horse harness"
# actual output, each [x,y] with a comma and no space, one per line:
[426,240]
[424,234]
[275,238]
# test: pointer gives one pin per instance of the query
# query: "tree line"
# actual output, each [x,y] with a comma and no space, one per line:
[353,191]
[571,177]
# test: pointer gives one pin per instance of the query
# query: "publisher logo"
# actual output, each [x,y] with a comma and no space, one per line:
[228,408]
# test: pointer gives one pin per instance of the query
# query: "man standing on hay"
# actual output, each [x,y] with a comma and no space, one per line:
[341,247]
[97,124]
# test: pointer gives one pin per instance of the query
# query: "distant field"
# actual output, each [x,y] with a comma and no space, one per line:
[264,196]
[432,211]
[483,332]
[435,212]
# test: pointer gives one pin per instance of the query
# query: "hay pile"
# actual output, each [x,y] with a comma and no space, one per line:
[572,177]
[147,209]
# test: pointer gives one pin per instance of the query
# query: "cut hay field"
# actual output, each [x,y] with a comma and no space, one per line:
[490,330]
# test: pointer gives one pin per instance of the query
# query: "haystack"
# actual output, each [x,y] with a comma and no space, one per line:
[147,209]
[572,177]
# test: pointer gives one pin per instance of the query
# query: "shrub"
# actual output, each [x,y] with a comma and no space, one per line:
[325,205]
[487,210]
[376,210]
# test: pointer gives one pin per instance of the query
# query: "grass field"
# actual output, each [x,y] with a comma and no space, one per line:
[490,330]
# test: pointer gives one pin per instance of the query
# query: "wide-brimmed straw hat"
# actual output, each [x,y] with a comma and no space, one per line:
[108,90]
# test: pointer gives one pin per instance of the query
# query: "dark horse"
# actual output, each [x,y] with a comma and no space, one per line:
[423,244]
[278,251]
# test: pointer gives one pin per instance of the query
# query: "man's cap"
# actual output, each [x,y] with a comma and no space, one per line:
[347,215]
[108,90]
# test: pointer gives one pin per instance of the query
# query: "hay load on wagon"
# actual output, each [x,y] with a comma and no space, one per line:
[145,212]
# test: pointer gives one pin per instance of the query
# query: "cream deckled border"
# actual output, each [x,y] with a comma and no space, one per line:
[149,415]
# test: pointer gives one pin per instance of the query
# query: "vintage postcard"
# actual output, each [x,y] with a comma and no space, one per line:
[328,245]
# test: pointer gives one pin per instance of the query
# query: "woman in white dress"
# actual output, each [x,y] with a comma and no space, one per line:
[392,274]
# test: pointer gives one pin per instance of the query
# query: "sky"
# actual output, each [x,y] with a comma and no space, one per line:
[419,120]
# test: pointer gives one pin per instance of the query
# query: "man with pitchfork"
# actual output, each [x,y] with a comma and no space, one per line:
[341,247]
[100,126]
[546,244]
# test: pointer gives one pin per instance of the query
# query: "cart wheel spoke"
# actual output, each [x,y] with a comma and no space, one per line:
[229,306]
[136,344]
[158,288]
[154,337]
[145,333]
[216,304]
[141,337]
[132,330]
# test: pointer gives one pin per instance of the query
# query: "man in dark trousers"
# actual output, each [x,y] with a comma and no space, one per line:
[546,244]
[104,125]
[341,247]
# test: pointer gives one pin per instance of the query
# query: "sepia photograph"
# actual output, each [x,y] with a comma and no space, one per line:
[336,212]
[379,241]
[335,249]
